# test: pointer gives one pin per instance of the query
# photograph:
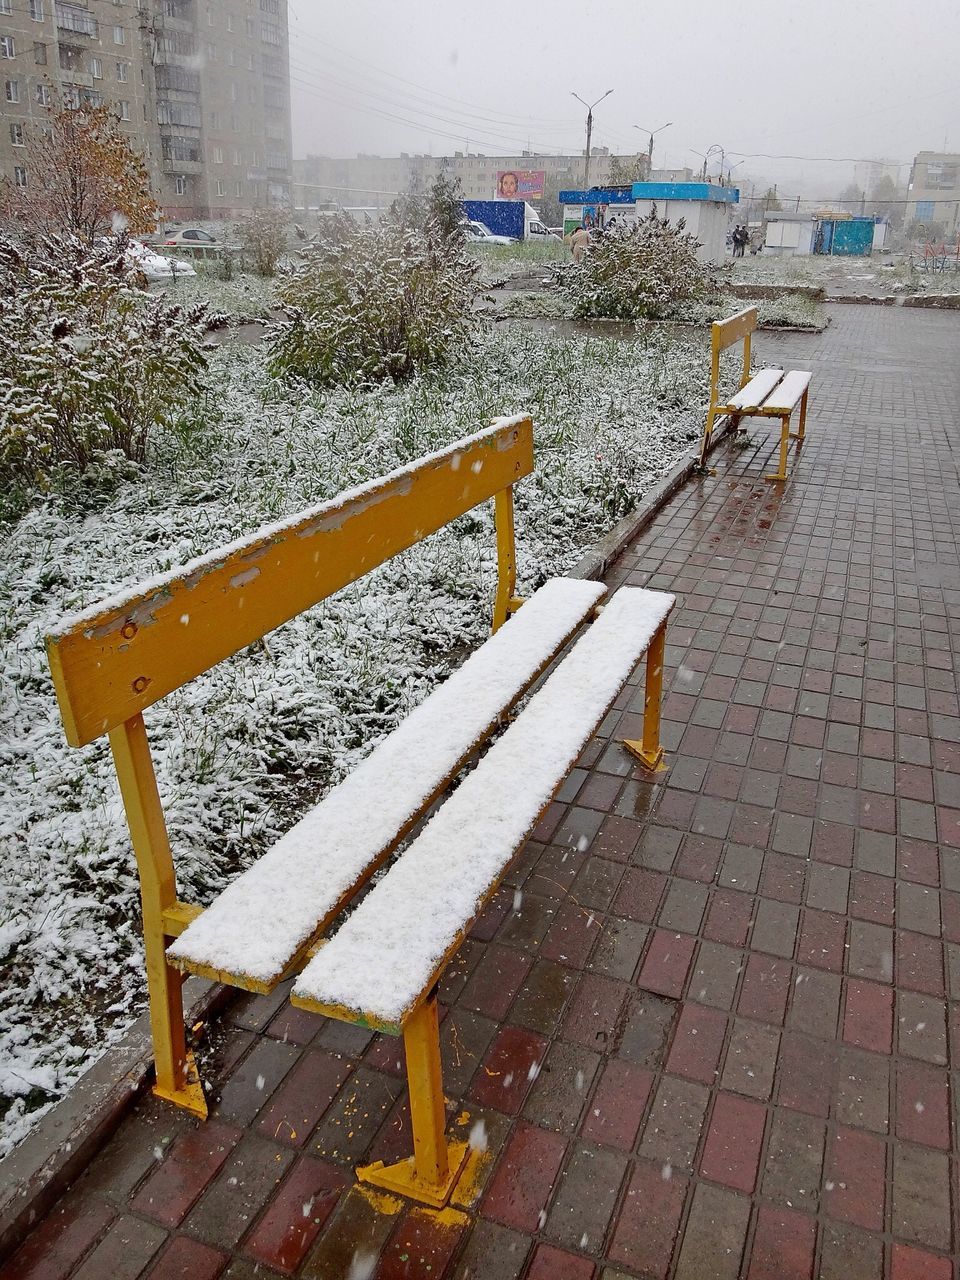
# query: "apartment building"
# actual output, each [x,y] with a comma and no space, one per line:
[201,87]
[934,192]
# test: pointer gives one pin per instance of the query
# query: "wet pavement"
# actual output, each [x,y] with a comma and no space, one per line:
[710,1024]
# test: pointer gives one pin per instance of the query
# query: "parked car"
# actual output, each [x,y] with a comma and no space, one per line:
[477,233]
[190,237]
[155,266]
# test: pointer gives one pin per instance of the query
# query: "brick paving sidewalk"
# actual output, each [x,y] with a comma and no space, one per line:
[708,1023]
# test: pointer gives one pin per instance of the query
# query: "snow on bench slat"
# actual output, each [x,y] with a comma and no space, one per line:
[789,391]
[759,386]
[381,960]
[256,926]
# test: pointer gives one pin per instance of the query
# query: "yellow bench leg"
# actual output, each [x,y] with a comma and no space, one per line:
[431,1173]
[649,750]
[781,474]
[177,1078]
[802,429]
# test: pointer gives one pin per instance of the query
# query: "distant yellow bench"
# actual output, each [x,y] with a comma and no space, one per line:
[382,966]
[768,394]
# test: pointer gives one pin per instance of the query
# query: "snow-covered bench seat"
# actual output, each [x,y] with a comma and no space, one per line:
[768,394]
[261,924]
[381,967]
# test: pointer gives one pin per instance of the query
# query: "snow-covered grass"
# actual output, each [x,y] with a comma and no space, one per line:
[790,310]
[527,257]
[245,749]
[244,295]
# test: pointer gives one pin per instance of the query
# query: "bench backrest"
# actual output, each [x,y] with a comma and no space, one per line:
[120,656]
[725,333]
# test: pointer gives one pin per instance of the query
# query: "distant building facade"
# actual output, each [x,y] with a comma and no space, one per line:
[934,192]
[201,87]
[374,181]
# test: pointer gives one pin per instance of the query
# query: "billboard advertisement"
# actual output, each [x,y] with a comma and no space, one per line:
[520,184]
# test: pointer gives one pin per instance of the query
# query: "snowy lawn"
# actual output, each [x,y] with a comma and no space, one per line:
[245,749]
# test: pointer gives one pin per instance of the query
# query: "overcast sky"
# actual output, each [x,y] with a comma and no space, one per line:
[823,78]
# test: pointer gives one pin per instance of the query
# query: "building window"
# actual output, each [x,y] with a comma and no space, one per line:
[12,89]
[187,113]
[231,57]
[8,47]
[181,185]
[43,95]
[214,119]
[40,55]
[239,188]
[96,68]
[269,6]
[181,149]
[211,52]
[72,17]
[36,10]
[20,176]
[237,157]
[218,155]
[234,93]
[234,124]
[251,27]
[229,21]
[6,7]
[221,189]
[119,35]
[16,135]
[270,33]
[924,210]
[124,109]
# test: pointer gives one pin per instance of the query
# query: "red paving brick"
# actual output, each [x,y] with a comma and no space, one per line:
[787,859]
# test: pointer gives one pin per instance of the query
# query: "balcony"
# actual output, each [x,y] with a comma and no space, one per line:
[181,166]
[80,78]
[76,20]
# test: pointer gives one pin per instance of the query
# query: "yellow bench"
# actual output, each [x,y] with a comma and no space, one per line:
[768,394]
[381,968]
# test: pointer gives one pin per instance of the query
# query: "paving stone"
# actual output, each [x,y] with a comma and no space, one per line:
[921,1196]
[617,1106]
[52,1250]
[543,996]
[619,947]
[667,963]
[296,1214]
[422,1244]
[794,1162]
[645,1028]
[187,1259]
[855,1178]
[847,1253]
[716,975]
[870,951]
[751,1060]
[698,1043]
[550,1263]
[921,1027]
[868,1016]
[124,1251]
[775,928]
[246,1182]
[783,1245]
[731,1154]
[585,1198]
[683,907]
[815,1004]
[354,1116]
[525,1175]
[646,1227]
[503,1079]
[715,1234]
[495,981]
[560,1091]
[594,1012]
[672,1131]
[355,1235]
[249,1087]
[187,1168]
[923,1104]
[863,1090]
[492,1250]
[295,1109]
[907,1263]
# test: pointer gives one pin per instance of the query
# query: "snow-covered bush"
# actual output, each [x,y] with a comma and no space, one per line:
[263,238]
[648,271]
[89,365]
[375,303]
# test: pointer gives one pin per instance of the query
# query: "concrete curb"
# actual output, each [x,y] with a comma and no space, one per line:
[52,1157]
[38,1172]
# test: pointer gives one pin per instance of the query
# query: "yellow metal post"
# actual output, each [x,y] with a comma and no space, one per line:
[801,431]
[784,445]
[421,1042]
[177,1078]
[506,556]
[431,1174]
[649,750]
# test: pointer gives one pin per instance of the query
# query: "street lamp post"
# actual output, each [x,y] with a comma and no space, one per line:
[589,106]
[650,144]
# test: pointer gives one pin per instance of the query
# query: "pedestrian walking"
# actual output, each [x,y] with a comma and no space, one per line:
[579,243]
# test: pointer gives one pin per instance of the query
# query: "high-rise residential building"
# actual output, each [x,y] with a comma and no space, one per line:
[202,87]
[934,193]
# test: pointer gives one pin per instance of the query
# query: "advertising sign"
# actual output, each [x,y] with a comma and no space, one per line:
[520,184]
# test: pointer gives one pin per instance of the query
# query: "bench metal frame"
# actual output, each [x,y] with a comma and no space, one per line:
[113,661]
[724,334]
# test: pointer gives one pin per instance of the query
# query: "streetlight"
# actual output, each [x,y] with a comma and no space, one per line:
[650,145]
[589,106]
[706,156]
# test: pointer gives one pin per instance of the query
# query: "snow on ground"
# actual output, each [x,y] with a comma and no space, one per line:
[244,750]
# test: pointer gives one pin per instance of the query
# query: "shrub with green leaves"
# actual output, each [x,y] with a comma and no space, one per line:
[375,303]
[648,271]
[89,365]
